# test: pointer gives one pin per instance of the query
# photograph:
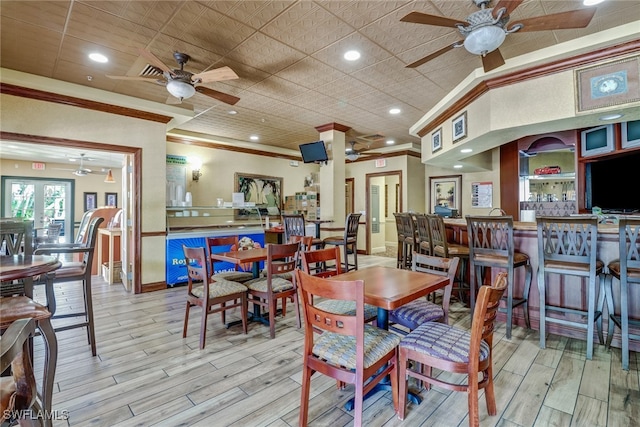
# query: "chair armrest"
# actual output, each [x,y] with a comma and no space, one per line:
[13,338]
[61,245]
[58,250]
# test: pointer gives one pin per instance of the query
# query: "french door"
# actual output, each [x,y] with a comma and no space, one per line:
[41,200]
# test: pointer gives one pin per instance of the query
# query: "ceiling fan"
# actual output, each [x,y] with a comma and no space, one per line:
[183,84]
[81,170]
[352,154]
[484,31]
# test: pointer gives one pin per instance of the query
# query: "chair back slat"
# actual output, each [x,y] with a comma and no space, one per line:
[220,244]
[568,239]
[491,236]
[629,238]
[438,233]
[424,232]
[282,258]
[351,226]
[294,225]
[322,262]
[484,316]
[17,235]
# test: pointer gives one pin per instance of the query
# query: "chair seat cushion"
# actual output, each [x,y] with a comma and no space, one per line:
[500,261]
[278,284]
[219,288]
[347,308]
[416,312]
[69,269]
[340,350]
[443,342]
[632,273]
[454,250]
[234,276]
[337,240]
[286,276]
[20,307]
[573,266]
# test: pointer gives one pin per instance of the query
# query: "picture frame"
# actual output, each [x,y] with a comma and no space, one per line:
[264,191]
[436,140]
[446,191]
[459,127]
[111,199]
[90,200]
[608,84]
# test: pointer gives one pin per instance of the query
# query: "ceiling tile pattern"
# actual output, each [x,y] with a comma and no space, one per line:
[287,53]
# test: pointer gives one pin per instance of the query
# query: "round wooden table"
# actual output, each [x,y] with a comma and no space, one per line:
[16,267]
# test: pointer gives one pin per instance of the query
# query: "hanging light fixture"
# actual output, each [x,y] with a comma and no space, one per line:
[109,178]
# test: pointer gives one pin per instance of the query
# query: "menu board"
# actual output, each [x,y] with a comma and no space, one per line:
[481,194]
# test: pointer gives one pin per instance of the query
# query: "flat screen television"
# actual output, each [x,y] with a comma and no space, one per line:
[630,134]
[612,184]
[313,152]
[598,140]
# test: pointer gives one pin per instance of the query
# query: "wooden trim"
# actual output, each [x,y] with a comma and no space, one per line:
[528,74]
[153,234]
[333,126]
[368,202]
[376,156]
[57,98]
[151,287]
[75,143]
[509,179]
[217,146]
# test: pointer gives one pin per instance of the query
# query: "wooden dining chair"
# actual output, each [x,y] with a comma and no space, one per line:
[212,295]
[447,348]
[226,244]
[349,241]
[306,244]
[266,291]
[18,392]
[347,350]
[419,311]
[295,225]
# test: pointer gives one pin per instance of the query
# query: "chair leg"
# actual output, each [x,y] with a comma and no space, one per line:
[50,361]
[489,393]
[355,255]
[472,391]
[610,308]
[525,295]
[223,313]
[244,312]
[304,395]
[509,301]
[599,308]
[272,317]
[402,384]
[297,305]
[543,302]
[284,306]
[203,324]
[624,320]
[186,320]
[591,308]
[89,307]
[394,381]
[358,402]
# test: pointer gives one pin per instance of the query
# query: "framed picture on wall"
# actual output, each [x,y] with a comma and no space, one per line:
[459,127]
[111,199]
[446,191]
[264,191]
[436,140]
[90,201]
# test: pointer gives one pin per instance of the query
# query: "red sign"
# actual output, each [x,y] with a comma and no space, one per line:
[38,166]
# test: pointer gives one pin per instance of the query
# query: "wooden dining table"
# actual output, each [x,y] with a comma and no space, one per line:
[25,267]
[389,288]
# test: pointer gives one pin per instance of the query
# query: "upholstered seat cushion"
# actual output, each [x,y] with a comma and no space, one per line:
[234,276]
[278,284]
[632,273]
[338,240]
[416,312]
[347,307]
[573,266]
[69,269]
[219,288]
[499,261]
[454,250]
[443,342]
[20,307]
[340,350]
[286,276]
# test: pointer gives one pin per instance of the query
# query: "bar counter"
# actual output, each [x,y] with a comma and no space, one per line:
[563,291]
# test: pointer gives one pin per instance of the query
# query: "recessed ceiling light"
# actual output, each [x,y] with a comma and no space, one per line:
[254,137]
[591,2]
[457,166]
[232,112]
[394,111]
[466,150]
[390,141]
[611,116]
[98,57]
[352,55]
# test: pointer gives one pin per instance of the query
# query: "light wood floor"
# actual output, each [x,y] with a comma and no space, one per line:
[145,373]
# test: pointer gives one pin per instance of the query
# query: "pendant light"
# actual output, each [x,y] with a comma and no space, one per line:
[109,178]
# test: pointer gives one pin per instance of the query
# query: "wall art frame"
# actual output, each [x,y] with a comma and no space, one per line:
[446,191]
[459,127]
[90,200]
[436,140]
[608,84]
[264,191]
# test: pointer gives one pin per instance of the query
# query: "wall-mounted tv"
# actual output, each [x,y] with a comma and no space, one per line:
[598,140]
[611,184]
[630,134]
[314,152]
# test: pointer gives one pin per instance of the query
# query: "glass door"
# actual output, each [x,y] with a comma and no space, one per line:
[41,200]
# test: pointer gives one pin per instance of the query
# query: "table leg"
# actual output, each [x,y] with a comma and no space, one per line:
[317,230]
[256,316]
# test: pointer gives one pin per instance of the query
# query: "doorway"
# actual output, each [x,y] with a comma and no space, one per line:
[43,200]
[383,198]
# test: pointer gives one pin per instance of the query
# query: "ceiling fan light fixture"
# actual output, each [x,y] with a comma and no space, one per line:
[180,89]
[109,178]
[484,39]
[352,156]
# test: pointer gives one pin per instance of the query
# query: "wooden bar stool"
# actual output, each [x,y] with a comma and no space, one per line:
[567,246]
[424,245]
[491,245]
[627,271]
[349,241]
[442,248]
[401,242]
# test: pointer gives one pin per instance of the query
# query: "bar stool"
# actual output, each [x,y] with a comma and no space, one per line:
[627,271]
[424,245]
[567,246]
[401,243]
[491,245]
[442,248]
[349,241]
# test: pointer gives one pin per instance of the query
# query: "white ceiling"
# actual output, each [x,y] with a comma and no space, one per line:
[288,55]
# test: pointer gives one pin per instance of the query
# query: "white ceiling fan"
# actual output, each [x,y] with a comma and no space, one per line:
[81,170]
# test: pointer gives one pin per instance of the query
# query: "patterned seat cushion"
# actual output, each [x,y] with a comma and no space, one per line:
[278,284]
[219,288]
[234,276]
[416,313]
[347,307]
[340,350]
[443,342]
[286,276]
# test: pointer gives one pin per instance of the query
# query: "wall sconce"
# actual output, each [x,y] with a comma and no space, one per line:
[196,165]
[109,178]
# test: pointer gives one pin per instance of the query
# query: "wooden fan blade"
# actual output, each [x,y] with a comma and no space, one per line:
[155,61]
[440,21]
[510,5]
[220,96]
[143,78]
[172,100]
[492,60]
[435,54]
[219,74]
[558,21]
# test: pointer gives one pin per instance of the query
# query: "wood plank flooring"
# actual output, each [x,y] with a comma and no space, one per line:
[146,374]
